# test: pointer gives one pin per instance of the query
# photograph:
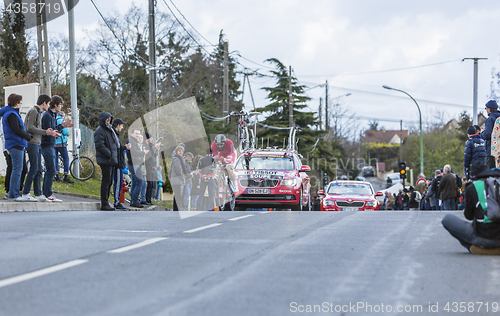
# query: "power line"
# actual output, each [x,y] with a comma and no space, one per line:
[116,37]
[382,71]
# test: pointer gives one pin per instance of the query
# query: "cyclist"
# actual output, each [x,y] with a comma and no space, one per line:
[224,152]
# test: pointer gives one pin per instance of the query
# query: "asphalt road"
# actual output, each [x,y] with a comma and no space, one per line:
[239,263]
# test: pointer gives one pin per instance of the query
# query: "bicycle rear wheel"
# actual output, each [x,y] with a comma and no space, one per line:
[221,192]
[85,167]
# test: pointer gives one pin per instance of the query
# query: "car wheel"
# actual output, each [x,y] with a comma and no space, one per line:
[298,207]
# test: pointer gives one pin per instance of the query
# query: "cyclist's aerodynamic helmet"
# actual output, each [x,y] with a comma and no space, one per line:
[220,140]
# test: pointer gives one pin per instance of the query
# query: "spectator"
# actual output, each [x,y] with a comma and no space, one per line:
[159,186]
[177,178]
[188,159]
[491,109]
[107,146]
[477,234]
[135,159]
[195,190]
[118,125]
[435,189]
[144,184]
[389,201]
[448,189]
[414,200]
[151,161]
[206,182]
[316,204]
[406,199]
[62,149]
[48,144]
[33,122]
[16,141]
[474,149]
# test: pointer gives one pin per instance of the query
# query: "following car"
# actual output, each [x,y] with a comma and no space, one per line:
[272,178]
[350,196]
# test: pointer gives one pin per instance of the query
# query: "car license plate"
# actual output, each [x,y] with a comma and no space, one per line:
[258,191]
[350,209]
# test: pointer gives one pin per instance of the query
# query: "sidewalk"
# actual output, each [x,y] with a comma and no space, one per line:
[69,203]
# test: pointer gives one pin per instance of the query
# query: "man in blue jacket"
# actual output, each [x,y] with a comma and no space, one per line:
[475,150]
[492,110]
[48,145]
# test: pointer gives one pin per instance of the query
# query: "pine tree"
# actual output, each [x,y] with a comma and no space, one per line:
[14,47]
[278,109]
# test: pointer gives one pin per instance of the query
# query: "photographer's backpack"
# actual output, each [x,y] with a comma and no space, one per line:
[488,193]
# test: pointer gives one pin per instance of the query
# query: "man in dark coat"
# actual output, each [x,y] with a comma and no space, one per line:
[205,166]
[448,189]
[475,149]
[122,164]
[475,233]
[107,146]
[135,159]
[492,110]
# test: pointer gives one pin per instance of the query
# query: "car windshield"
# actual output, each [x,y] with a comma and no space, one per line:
[265,163]
[350,188]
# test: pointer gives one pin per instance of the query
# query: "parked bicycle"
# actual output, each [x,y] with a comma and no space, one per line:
[81,168]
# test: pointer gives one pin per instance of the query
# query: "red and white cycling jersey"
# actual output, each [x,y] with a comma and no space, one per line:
[228,152]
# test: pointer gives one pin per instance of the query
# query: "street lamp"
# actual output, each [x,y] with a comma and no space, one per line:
[421,137]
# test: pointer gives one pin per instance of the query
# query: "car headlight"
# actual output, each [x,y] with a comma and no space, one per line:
[289,182]
[328,202]
[371,203]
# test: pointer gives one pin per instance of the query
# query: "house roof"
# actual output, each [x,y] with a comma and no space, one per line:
[383,136]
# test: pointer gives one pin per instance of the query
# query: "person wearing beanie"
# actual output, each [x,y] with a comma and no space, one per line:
[492,110]
[475,150]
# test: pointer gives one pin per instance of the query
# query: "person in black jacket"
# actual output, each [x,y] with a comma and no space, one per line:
[474,149]
[491,108]
[205,172]
[107,146]
[135,160]
[476,235]
[118,170]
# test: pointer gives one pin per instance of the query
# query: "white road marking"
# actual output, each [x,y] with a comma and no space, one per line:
[134,231]
[264,212]
[42,272]
[241,217]
[202,228]
[138,245]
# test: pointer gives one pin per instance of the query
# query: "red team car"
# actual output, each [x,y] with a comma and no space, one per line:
[349,196]
[272,179]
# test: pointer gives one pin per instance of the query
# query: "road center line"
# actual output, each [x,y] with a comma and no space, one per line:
[202,228]
[138,245]
[237,218]
[42,272]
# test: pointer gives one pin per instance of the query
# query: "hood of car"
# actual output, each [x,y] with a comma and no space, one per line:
[349,197]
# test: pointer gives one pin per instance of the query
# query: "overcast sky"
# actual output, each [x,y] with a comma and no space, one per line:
[353,45]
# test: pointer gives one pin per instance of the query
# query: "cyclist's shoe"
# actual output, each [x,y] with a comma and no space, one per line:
[52,198]
[66,179]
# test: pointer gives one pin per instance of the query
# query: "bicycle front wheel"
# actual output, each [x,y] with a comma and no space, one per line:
[84,166]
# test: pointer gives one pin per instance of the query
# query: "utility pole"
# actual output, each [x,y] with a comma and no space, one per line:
[319,112]
[72,82]
[327,118]
[225,90]
[474,106]
[152,56]
[401,140]
[43,49]
[290,101]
